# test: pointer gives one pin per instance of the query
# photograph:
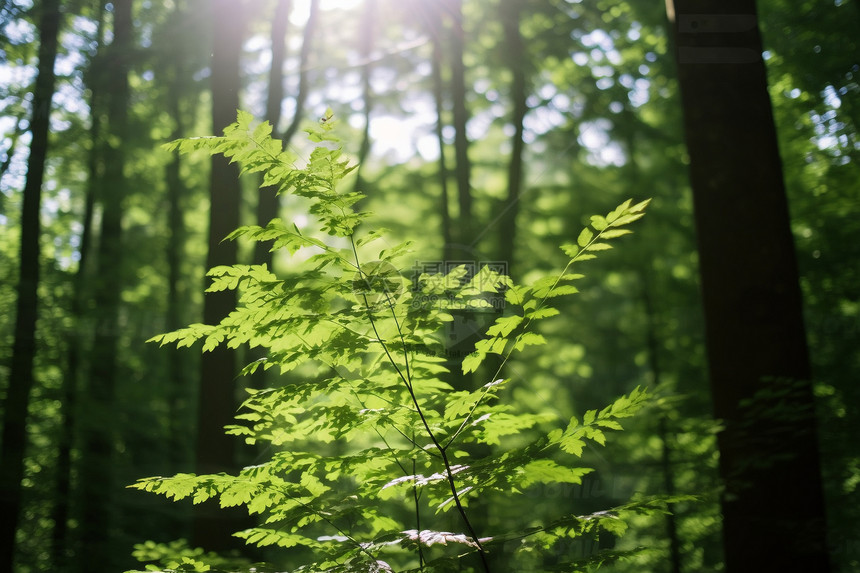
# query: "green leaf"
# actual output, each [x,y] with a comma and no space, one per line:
[589,417]
[627,219]
[529,339]
[598,247]
[504,325]
[584,237]
[473,361]
[617,212]
[570,250]
[599,223]
[638,207]
[613,233]
[548,471]
[543,312]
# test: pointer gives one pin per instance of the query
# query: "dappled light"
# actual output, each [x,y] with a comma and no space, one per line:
[414,285]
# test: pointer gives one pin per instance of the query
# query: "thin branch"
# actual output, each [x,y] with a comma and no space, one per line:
[415,496]
[408,382]
[528,322]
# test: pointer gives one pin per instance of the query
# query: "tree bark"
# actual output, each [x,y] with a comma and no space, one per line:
[215,452]
[518,62]
[71,377]
[365,46]
[304,59]
[97,427]
[653,345]
[433,21]
[268,204]
[178,391]
[773,511]
[465,225]
[15,406]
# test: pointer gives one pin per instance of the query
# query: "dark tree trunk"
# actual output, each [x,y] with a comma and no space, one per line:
[653,345]
[465,225]
[518,63]
[71,377]
[97,427]
[433,21]
[773,513]
[178,392]
[268,204]
[217,398]
[366,33]
[304,60]
[13,447]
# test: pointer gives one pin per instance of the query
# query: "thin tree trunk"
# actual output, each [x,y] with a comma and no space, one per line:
[217,400]
[71,381]
[365,47]
[15,406]
[268,204]
[628,134]
[98,427]
[669,487]
[433,21]
[517,58]
[304,64]
[465,225]
[653,346]
[69,392]
[177,393]
[773,510]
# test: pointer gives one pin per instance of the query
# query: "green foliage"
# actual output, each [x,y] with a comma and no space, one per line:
[407,438]
[178,556]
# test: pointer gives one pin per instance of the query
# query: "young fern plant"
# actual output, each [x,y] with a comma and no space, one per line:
[368,347]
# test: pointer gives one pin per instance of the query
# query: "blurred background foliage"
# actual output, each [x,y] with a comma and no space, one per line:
[433,98]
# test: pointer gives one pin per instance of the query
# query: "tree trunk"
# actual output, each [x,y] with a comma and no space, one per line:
[217,399]
[178,383]
[366,33]
[13,447]
[304,59]
[518,62]
[268,204]
[433,21]
[773,512]
[465,225]
[97,427]
[71,377]
[652,339]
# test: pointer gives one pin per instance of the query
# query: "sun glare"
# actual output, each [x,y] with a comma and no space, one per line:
[338,4]
[301,8]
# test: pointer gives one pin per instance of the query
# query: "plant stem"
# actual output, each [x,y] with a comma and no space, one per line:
[513,346]
[408,382]
[417,518]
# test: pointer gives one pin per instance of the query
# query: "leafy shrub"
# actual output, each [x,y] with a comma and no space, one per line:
[413,449]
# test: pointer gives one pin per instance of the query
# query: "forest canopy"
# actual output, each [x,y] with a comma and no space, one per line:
[486,134]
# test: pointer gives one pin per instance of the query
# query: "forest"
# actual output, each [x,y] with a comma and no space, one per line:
[304,285]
